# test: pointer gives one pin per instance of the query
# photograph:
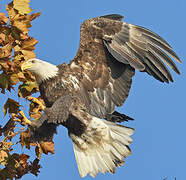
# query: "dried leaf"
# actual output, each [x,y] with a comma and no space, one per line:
[23,160]
[5,51]
[21,26]
[3,157]
[38,151]
[4,82]
[34,167]
[27,88]
[8,129]
[11,106]
[11,11]
[29,44]
[28,54]
[22,6]
[21,76]
[14,79]
[2,38]
[34,16]
[18,57]
[47,147]
[3,18]
[24,139]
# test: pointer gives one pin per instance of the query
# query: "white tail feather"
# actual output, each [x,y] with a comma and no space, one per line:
[102,147]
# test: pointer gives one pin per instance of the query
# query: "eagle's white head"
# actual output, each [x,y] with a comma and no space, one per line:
[42,70]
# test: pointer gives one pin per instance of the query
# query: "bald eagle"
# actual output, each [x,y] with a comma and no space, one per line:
[83,94]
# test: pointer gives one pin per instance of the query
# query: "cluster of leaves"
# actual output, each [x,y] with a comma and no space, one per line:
[16,47]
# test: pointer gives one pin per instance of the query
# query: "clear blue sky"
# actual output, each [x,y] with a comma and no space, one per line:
[159,147]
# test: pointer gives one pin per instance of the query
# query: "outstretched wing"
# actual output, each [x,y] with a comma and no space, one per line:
[109,52]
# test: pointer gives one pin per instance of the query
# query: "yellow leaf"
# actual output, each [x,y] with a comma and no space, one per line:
[29,44]
[28,54]
[22,6]
[11,11]
[21,25]
[3,157]
[29,85]
[18,57]
[21,76]
[27,88]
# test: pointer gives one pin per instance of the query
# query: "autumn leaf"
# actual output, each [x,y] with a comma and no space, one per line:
[3,157]
[3,18]
[11,106]
[16,46]
[14,79]
[34,167]
[4,82]
[34,16]
[24,139]
[47,147]
[8,129]
[23,160]
[2,38]
[21,26]
[38,151]
[22,6]
[5,51]
[11,11]
[27,88]
[29,44]
[28,54]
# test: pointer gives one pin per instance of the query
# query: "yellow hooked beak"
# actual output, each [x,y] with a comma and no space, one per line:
[26,65]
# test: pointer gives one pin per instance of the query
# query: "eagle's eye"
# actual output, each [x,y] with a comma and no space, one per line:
[33,61]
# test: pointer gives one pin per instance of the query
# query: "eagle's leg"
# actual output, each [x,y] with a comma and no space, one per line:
[117,117]
[45,127]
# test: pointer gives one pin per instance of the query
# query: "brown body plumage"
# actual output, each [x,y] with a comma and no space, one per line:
[80,94]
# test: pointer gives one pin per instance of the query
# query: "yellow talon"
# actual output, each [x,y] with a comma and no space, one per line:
[24,121]
[35,100]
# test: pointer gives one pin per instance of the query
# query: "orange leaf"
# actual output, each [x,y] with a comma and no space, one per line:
[47,147]
[34,16]
[14,79]
[29,44]
[24,139]
[3,18]
[5,51]
[23,160]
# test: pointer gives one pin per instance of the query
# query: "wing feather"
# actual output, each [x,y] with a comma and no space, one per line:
[109,53]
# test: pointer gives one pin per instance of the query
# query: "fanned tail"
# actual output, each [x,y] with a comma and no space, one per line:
[102,147]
